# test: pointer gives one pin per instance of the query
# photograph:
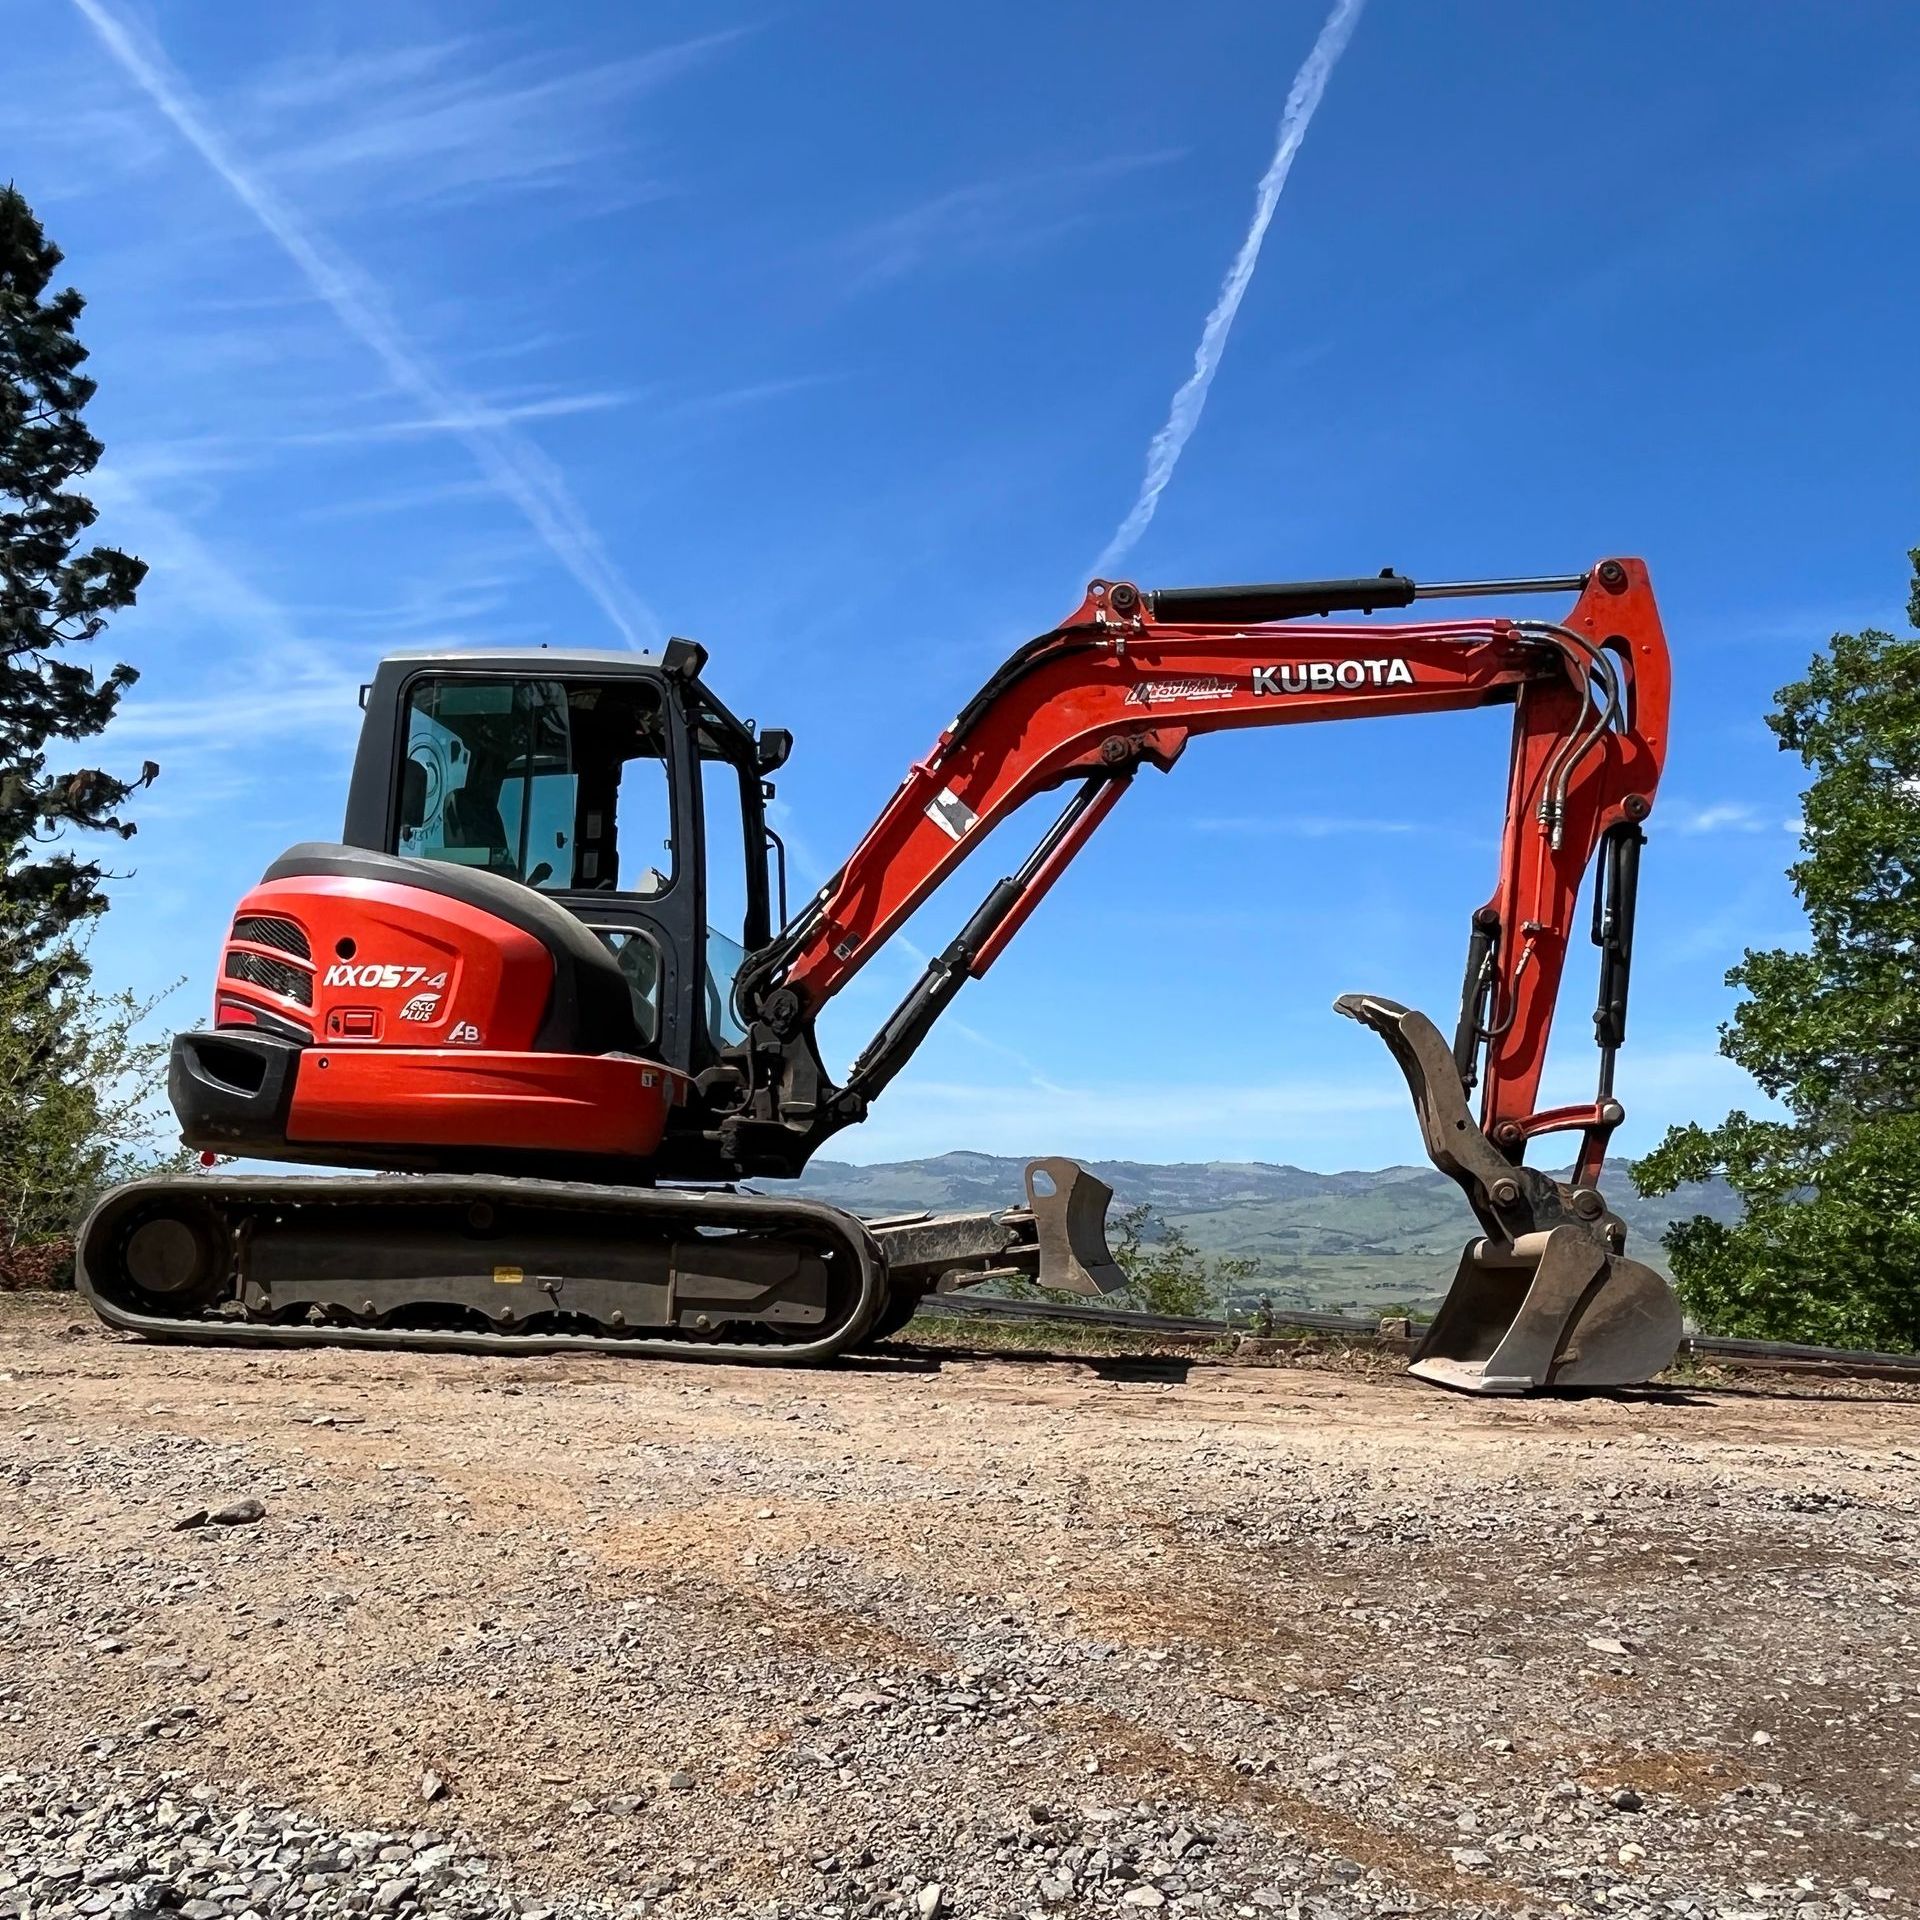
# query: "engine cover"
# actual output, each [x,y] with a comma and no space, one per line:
[377,1011]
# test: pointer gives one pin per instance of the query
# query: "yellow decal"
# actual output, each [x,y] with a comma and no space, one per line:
[508,1276]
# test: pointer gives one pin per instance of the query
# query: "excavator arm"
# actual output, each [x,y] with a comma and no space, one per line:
[1131,677]
[1125,683]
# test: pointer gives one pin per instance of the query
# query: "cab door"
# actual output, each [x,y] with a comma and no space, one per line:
[734,918]
[580,787]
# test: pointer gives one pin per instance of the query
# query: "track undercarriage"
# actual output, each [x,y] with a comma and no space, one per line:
[474,1263]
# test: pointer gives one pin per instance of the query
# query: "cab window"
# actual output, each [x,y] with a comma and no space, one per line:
[730,857]
[560,786]
[639,962]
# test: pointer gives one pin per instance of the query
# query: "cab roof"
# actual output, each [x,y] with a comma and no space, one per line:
[629,659]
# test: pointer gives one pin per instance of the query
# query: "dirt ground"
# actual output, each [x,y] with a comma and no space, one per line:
[943,1631]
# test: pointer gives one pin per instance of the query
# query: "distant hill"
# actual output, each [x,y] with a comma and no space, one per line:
[1365,1240]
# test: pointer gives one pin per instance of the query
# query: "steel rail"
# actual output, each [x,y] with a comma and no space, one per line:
[1778,1355]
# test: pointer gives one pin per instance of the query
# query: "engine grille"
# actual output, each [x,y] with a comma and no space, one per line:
[275,975]
[269,930]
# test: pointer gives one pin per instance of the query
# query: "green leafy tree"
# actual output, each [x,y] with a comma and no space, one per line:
[80,1110]
[1166,1272]
[1829,1248]
[54,595]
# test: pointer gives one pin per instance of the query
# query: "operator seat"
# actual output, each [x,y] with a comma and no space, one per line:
[589,1010]
[473,820]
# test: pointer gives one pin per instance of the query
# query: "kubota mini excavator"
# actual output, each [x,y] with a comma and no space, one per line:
[509,990]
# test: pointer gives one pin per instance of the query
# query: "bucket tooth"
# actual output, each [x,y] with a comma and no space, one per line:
[1069,1208]
[1546,1299]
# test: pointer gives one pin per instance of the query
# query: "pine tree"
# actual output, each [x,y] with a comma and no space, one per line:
[53,597]
[1829,1249]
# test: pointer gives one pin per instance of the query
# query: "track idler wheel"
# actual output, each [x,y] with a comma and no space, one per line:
[177,1258]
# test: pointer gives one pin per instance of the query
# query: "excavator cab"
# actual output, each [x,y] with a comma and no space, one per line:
[524,945]
[614,785]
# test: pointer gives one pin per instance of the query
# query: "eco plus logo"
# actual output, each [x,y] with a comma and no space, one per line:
[423,1006]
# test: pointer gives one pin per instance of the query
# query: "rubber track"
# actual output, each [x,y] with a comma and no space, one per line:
[691,1205]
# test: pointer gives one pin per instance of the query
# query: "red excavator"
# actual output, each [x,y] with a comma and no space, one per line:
[540,987]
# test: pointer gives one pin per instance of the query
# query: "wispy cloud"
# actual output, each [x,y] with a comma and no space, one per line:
[480,416]
[986,1043]
[1002,215]
[519,471]
[1155,1119]
[147,464]
[486,414]
[367,506]
[1356,1119]
[317,707]
[287,673]
[753,393]
[278,682]
[1663,1086]
[192,587]
[1723,816]
[454,588]
[1164,454]
[85,132]
[442,121]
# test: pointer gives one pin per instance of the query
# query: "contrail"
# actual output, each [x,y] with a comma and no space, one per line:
[516,468]
[1169,443]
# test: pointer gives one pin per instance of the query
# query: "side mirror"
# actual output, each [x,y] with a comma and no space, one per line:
[771,748]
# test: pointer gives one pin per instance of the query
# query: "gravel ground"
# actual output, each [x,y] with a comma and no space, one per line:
[940,1633]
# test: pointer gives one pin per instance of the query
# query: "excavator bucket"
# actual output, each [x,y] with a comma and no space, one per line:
[1069,1208]
[1546,1299]
[1565,1314]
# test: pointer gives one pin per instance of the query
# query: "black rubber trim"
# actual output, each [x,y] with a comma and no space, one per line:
[589,1009]
[263,1020]
[232,1089]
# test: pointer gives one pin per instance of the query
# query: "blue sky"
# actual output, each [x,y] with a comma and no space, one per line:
[835,336]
